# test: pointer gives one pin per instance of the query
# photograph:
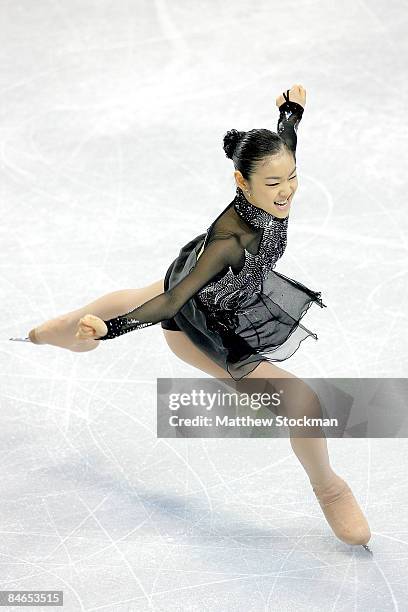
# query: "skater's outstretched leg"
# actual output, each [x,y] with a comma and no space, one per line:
[61,330]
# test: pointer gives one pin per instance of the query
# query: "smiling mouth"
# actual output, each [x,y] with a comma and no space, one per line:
[285,204]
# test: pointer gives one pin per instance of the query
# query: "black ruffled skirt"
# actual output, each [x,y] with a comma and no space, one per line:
[265,326]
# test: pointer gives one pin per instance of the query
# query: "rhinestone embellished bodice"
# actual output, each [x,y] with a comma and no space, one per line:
[226,292]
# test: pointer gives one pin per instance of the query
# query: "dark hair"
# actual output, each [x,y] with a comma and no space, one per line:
[246,149]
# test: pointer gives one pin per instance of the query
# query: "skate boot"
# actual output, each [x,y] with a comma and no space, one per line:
[30,338]
[33,336]
[342,512]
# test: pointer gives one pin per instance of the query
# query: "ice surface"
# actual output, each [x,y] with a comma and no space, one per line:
[112,118]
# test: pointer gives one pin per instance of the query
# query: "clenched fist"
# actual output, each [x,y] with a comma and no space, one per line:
[297,93]
[91,326]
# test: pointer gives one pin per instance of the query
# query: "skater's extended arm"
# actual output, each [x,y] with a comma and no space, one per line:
[290,114]
[291,106]
[217,256]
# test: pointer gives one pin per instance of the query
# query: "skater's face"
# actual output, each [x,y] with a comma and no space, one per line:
[273,181]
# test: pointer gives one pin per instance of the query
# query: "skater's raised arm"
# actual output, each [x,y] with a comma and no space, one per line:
[291,107]
[218,255]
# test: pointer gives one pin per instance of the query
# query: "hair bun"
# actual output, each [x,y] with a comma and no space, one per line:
[231,139]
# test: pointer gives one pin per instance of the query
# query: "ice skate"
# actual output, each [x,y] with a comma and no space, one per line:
[33,337]
[30,338]
[57,332]
[342,512]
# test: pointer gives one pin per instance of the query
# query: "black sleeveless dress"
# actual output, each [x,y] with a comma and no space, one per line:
[239,316]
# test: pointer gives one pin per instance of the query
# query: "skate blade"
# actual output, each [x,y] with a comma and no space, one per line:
[367,549]
[26,339]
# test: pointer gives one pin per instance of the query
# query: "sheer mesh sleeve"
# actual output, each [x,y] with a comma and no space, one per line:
[290,114]
[217,256]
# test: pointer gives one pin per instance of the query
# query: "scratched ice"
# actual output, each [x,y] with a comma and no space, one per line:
[111,147]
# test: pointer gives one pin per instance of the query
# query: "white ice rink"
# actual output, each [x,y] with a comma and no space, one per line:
[112,120]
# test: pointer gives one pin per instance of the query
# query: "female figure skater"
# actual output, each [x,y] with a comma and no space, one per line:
[224,309]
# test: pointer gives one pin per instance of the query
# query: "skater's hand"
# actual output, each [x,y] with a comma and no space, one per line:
[297,93]
[91,326]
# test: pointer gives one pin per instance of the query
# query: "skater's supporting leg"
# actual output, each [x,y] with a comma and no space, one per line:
[335,497]
[300,400]
[311,452]
[61,330]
